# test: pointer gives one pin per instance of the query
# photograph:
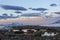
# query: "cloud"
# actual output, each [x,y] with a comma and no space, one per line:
[39,9]
[8,7]
[31,14]
[18,12]
[53,5]
[36,20]
[30,21]
[57,22]
[5,16]
[55,15]
[57,12]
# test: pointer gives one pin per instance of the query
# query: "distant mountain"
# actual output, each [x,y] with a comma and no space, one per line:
[52,25]
[9,26]
[14,24]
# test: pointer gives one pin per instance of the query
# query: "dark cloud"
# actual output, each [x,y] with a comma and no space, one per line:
[8,7]
[39,9]
[31,14]
[5,16]
[57,22]
[18,12]
[57,12]
[53,5]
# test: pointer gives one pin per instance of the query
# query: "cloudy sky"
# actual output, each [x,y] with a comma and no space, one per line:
[30,12]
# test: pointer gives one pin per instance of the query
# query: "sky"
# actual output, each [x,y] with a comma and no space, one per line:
[30,12]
